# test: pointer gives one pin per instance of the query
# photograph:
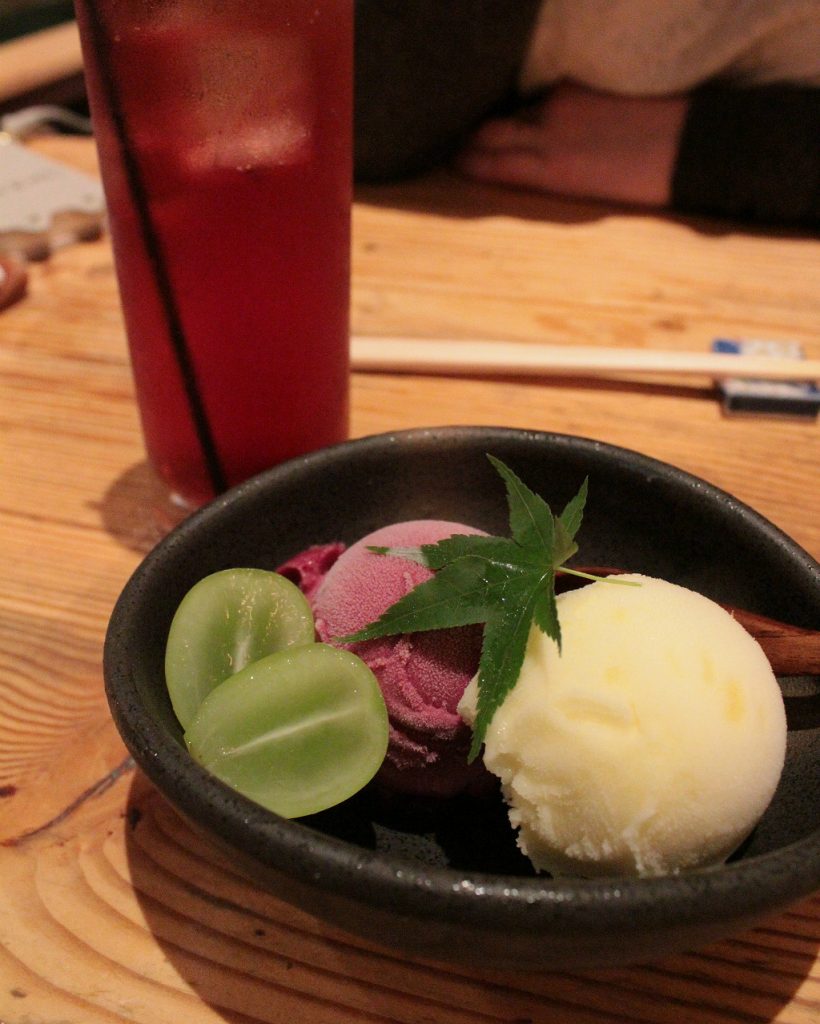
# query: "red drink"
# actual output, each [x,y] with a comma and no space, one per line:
[224,134]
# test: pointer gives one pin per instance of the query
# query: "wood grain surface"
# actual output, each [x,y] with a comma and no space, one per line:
[111,908]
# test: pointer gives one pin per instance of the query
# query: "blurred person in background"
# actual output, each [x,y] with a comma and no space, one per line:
[698,106]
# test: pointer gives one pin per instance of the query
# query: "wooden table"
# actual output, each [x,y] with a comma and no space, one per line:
[110,909]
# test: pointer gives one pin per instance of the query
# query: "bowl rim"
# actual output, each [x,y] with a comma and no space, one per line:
[335,865]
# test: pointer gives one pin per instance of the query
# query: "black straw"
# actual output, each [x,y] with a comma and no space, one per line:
[153,248]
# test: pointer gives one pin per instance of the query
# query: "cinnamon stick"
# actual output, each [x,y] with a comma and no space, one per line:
[791,650]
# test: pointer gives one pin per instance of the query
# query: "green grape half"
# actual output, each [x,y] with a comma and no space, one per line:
[298,732]
[226,621]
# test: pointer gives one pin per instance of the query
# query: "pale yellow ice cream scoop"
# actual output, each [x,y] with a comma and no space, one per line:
[652,743]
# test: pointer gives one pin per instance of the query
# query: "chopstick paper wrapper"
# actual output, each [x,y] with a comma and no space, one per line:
[795,398]
[476,358]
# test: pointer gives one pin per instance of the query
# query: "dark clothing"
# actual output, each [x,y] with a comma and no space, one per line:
[751,154]
[424,82]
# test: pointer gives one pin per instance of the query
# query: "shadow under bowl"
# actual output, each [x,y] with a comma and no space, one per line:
[449,883]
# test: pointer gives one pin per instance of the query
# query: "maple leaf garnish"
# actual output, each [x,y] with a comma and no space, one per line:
[507,583]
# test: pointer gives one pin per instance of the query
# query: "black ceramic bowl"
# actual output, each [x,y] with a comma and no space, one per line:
[452,886]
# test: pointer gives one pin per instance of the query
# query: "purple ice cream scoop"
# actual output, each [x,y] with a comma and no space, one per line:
[309,568]
[422,675]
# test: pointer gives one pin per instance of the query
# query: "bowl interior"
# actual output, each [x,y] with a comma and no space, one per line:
[641,515]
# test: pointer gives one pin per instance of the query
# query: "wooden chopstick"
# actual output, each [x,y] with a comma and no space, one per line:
[446,356]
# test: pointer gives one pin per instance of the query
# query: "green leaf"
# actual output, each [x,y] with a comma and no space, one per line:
[573,513]
[448,549]
[461,593]
[545,610]
[531,522]
[508,583]
[502,654]
[411,554]
[564,546]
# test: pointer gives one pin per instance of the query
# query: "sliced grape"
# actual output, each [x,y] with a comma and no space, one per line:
[298,732]
[226,621]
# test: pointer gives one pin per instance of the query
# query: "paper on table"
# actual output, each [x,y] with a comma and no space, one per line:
[44,204]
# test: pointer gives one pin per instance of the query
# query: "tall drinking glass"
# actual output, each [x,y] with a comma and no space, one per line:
[224,134]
